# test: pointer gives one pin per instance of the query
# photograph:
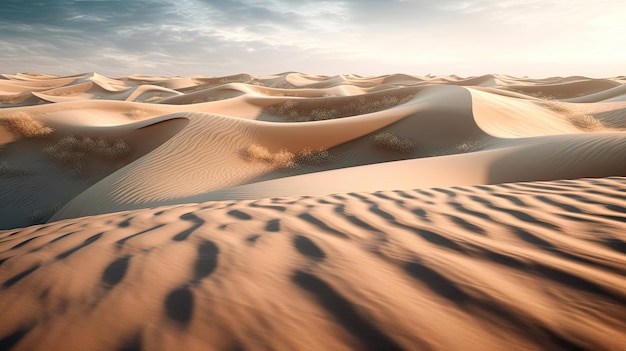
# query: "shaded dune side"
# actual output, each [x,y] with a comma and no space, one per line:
[45,185]
[521,266]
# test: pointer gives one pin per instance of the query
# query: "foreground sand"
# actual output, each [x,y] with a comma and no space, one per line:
[431,213]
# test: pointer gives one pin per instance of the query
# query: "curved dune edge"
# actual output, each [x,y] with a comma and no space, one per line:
[521,266]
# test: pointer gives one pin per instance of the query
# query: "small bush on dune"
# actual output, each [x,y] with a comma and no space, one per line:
[581,121]
[22,124]
[257,153]
[295,109]
[556,106]
[72,152]
[11,99]
[586,122]
[136,114]
[468,146]
[43,215]
[62,93]
[308,156]
[284,159]
[536,94]
[154,98]
[8,171]
[388,141]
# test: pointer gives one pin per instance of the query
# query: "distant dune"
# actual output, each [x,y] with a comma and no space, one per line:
[306,212]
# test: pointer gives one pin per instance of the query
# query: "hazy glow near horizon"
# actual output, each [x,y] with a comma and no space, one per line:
[368,37]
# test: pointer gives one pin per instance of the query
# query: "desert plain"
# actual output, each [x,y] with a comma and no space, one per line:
[307,212]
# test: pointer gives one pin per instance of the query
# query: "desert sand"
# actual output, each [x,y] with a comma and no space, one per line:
[307,212]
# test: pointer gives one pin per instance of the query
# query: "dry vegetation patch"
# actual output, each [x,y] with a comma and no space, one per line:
[389,141]
[313,157]
[586,122]
[136,114]
[298,110]
[470,146]
[61,93]
[73,153]
[22,124]
[43,215]
[155,98]
[8,170]
[12,99]
[284,159]
[537,94]
[579,120]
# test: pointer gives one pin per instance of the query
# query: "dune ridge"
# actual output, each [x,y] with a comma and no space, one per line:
[307,212]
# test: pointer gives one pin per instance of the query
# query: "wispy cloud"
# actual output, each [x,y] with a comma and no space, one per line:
[265,36]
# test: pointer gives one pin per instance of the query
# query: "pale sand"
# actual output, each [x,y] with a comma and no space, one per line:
[503,226]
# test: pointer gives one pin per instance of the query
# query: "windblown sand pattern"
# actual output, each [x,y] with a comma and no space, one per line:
[300,212]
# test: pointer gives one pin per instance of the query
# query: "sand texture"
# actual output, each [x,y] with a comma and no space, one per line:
[305,212]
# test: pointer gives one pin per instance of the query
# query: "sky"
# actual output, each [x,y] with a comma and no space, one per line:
[536,38]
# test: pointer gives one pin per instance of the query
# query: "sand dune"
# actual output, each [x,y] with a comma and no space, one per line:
[309,212]
[444,268]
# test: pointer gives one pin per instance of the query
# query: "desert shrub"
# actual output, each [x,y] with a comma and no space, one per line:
[22,124]
[154,98]
[208,98]
[389,141]
[256,153]
[61,93]
[308,156]
[8,171]
[469,146]
[585,122]
[43,215]
[285,159]
[72,152]
[296,110]
[556,106]
[136,114]
[536,94]
[11,99]
[581,121]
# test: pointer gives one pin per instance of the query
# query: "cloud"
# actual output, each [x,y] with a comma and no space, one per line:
[266,36]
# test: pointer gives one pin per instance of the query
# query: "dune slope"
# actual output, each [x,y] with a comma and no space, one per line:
[523,266]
